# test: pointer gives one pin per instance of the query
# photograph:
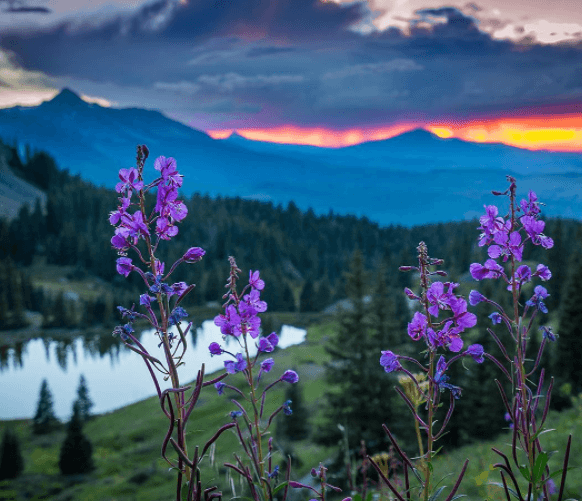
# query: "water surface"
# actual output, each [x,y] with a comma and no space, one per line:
[115,379]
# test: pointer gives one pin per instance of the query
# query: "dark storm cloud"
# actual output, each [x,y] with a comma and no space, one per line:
[303,61]
[23,7]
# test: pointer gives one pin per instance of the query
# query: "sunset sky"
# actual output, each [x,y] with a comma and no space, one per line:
[328,73]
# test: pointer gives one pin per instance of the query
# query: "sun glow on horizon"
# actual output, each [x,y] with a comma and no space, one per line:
[554,133]
[316,136]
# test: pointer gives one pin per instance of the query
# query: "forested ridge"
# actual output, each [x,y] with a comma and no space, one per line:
[294,250]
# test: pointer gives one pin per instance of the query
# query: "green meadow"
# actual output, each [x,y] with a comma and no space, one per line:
[126,443]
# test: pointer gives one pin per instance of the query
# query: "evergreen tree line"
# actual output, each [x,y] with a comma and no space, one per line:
[76,454]
[16,295]
[295,250]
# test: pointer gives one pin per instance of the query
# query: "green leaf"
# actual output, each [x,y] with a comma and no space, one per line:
[539,466]
[430,466]
[511,491]
[559,472]
[279,487]
[525,473]
[541,431]
[437,493]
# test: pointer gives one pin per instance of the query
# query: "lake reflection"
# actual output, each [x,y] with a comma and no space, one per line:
[115,375]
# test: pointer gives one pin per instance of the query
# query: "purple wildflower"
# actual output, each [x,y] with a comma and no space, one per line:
[129,181]
[438,298]
[229,322]
[265,345]
[267,364]
[234,367]
[530,207]
[124,266]
[441,379]
[290,377]
[389,361]
[235,414]
[146,300]
[540,293]
[165,229]
[215,349]
[475,297]
[543,272]
[476,351]
[495,318]
[287,409]
[120,240]
[255,282]
[167,168]
[508,245]
[193,255]
[274,473]
[417,328]
[253,300]
[548,333]
[177,314]
[219,387]
[490,269]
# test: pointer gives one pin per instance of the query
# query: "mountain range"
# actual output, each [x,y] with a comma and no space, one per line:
[414,178]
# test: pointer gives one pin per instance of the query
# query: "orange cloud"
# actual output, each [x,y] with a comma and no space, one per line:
[316,136]
[555,133]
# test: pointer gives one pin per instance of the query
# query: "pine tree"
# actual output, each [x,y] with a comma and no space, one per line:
[567,367]
[359,398]
[84,400]
[11,462]
[295,426]
[76,455]
[44,420]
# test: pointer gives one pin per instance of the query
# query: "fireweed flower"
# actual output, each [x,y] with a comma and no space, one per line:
[167,168]
[441,379]
[477,352]
[548,333]
[219,387]
[496,318]
[417,328]
[124,266]
[543,272]
[475,297]
[389,361]
[215,349]
[267,344]
[537,300]
[129,181]
[287,409]
[509,245]
[233,367]
[193,255]
[489,270]
[255,282]
[290,377]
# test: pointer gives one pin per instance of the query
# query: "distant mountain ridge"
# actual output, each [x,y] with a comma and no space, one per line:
[413,178]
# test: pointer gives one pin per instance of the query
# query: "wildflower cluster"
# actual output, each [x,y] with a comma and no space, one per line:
[439,335]
[241,322]
[506,239]
[141,232]
[439,324]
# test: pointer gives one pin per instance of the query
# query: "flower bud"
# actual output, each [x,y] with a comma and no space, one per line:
[193,255]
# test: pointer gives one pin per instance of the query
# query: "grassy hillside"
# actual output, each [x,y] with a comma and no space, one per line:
[127,443]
